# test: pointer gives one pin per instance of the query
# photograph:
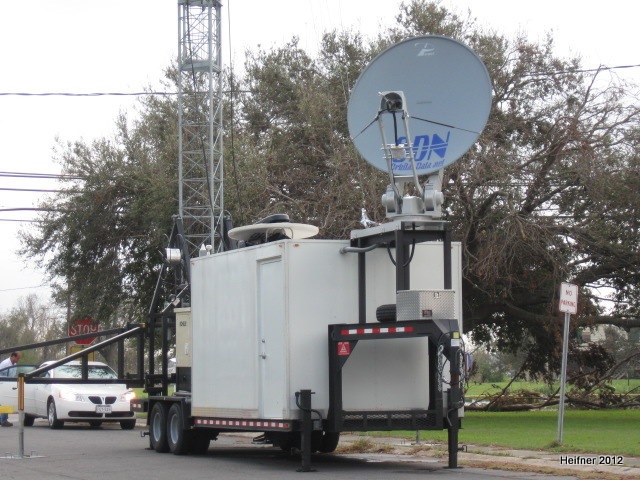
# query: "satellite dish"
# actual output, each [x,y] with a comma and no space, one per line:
[443,87]
[290,230]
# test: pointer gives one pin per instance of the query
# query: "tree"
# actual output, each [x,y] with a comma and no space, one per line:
[32,321]
[533,202]
[101,238]
[546,195]
[296,156]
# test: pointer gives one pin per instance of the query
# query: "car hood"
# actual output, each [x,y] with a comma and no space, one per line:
[93,388]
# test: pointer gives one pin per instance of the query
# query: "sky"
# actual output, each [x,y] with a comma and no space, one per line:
[83,46]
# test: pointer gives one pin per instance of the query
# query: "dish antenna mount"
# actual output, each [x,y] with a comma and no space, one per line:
[430,97]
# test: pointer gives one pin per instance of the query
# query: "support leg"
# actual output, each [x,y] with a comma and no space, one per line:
[307,429]
[453,438]
[455,399]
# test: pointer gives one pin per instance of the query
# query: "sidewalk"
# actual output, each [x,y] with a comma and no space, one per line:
[580,465]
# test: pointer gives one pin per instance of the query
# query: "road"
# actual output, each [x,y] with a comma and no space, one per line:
[79,452]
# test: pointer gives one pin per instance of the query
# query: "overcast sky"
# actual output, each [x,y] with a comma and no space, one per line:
[82,46]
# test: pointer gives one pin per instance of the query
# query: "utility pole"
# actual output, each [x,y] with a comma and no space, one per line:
[200,159]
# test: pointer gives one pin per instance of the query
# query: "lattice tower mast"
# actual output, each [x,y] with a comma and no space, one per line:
[200,159]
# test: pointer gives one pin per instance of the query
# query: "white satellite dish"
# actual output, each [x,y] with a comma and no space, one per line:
[448,97]
[418,107]
[294,231]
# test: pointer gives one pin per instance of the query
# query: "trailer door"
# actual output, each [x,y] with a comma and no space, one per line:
[271,337]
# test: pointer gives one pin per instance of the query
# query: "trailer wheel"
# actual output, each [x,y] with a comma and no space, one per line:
[329,442]
[177,437]
[386,313]
[158,428]
[200,442]
[284,440]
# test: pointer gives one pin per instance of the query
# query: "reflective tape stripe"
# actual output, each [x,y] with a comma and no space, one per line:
[377,330]
[216,422]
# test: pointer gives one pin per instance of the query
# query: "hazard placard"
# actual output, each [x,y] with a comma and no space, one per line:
[344,349]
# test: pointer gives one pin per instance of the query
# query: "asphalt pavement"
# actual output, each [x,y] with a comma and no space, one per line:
[80,452]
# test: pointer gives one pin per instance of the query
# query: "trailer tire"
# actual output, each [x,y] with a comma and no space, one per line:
[284,440]
[200,442]
[158,428]
[329,442]
[386,313]
[178,437]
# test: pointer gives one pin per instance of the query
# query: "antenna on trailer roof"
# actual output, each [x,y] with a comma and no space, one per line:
[430,97]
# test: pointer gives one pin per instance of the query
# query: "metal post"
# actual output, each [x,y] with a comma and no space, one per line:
[563,375]
[307,429]
[121,359]
[402,264]
[362,287]
[140,359]
[447,259]
[454,397]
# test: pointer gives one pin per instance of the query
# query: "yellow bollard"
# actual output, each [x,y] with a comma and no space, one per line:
[20,393]
[21,412]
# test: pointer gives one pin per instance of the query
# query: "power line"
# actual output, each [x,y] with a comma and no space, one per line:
[23,288]
[84,94]
[169,94]
[582,70]
[39,190]
[47,176]
[28,209]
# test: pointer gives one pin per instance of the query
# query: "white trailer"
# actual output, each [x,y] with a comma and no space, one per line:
[283,338]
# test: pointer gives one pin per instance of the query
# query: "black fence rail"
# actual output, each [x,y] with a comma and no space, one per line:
[135,379]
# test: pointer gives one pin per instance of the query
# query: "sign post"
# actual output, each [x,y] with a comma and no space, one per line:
[568,305]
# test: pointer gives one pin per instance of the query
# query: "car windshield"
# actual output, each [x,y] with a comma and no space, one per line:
[75,371]
[16,369]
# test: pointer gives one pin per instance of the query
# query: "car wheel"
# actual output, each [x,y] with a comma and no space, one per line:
[177,436]
[127,424]
[52,416]
[28,420]
[95,423]
[158,428]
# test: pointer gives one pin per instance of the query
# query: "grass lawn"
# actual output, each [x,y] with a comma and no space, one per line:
[479,389]
[589,431]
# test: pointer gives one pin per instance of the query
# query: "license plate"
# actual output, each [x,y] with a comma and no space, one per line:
[103,408]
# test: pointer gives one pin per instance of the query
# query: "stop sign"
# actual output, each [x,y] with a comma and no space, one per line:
[83,326]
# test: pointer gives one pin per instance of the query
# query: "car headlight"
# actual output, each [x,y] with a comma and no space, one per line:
[70,395]
[128,396]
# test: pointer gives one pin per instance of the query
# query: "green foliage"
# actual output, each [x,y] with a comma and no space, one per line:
[292,152]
